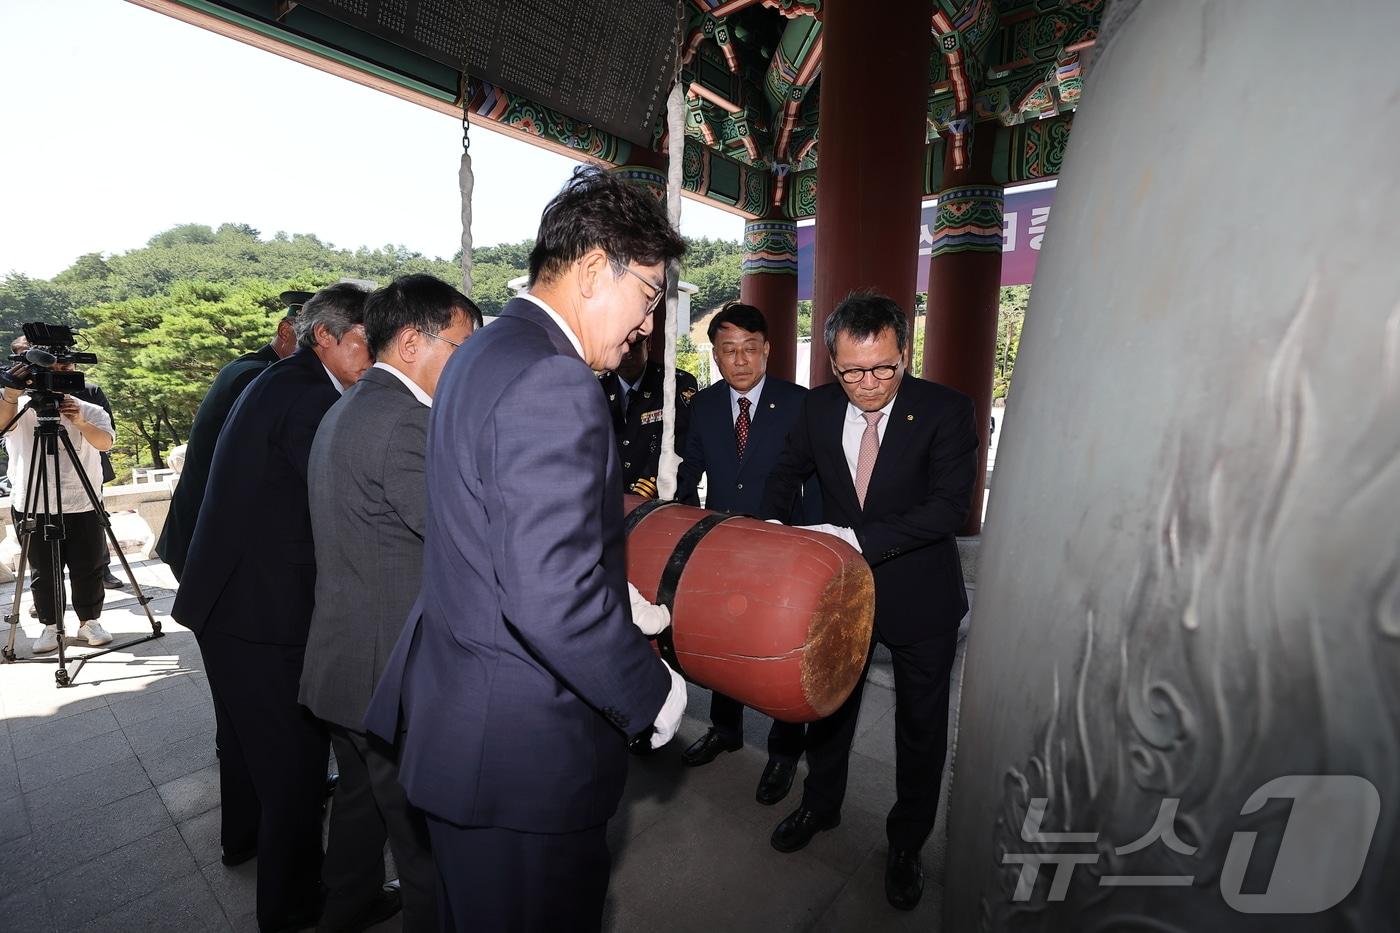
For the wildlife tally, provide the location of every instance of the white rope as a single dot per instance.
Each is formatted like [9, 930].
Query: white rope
[465, 181]
[675, 129]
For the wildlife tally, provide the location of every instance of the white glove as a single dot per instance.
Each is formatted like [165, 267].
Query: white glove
[649, 617]
[669, 719]
[845, 534]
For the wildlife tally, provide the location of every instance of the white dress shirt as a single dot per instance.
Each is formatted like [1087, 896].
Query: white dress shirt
[554, 316]
[334, 381]
[412, 386]
[753, 395]
[854, 428]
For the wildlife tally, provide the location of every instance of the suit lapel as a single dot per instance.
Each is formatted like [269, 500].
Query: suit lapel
[830, 446]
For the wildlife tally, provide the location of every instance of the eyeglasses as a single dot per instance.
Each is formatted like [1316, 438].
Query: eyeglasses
[884, 373]
[454, 343]
[659, 289]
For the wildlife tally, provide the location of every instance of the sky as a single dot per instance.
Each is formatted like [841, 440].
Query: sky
[120, 122]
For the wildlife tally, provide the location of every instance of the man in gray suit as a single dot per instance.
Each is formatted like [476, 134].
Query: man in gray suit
[368, 505]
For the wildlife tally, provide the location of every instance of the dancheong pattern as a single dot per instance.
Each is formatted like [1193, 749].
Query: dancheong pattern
[752, 74]
[969, 220]
[770, 246]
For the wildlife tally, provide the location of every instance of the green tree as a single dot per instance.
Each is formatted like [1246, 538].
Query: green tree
[23, 299]
[165, 317]
[158, 355]
[1011, 317]
[515, 255]
[717, 282]
[692, 360]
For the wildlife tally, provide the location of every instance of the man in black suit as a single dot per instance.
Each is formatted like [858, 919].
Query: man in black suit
[247, 594]
[635, 399]
[737, 430]
[174, 543]
[896, 457]
[368, 512]
[520, 675]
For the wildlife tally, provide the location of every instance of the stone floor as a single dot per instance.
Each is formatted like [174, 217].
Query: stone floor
[109, 810]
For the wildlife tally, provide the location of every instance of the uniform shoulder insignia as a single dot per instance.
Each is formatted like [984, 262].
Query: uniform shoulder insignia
[687, 395]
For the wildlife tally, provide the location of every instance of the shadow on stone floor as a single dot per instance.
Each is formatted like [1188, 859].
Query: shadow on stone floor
[109, 810]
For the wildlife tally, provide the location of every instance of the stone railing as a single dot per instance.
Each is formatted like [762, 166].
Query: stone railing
[138, 513]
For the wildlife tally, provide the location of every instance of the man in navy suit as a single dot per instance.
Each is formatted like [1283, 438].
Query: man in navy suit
[896, 457]
[519, 676]
[174, 544]
[247, 593]
[737, 429]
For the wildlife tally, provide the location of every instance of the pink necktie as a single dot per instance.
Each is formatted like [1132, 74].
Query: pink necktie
[869, 450]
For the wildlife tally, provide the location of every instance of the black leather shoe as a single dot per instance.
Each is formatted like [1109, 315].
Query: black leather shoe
[798, 828]
[111, 582]
[238, 856]
[776, 781]
[904, 878]
[385, 904]
[332, 780]
[708, 747]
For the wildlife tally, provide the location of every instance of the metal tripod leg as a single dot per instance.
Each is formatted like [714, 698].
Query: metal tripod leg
[106, 522]
[8, 653]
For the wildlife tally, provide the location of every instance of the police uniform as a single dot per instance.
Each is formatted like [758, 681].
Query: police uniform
[637, 419]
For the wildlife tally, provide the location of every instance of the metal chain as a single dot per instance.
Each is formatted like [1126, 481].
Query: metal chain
[466, 109]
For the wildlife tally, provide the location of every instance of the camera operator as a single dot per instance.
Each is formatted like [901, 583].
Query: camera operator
[83, 549]
[91, 392]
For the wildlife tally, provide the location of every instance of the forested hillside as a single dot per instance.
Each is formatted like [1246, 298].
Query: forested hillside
[164, 318]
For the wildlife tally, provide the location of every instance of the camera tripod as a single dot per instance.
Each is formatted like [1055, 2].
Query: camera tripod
[49, 525]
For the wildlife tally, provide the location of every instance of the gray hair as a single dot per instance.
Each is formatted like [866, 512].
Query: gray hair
[864, 315]
[337, 308]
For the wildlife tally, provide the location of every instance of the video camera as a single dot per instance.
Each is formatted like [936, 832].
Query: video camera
[50, 345]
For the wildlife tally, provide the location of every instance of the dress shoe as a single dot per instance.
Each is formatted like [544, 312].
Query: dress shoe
[332, 780]
[111, 582]
[386, 903]
[390, 902]
[776, 781]
[708, 747]
[306, 918]
[798, 828]
[238, 856]
[904, 878]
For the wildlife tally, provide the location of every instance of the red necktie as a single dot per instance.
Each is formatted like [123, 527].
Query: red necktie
[741, 427]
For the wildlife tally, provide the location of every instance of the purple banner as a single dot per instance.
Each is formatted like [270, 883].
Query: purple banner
[1023, 226]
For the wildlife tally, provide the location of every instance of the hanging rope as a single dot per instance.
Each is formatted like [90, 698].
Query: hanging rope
[669, 462]
[465, 182]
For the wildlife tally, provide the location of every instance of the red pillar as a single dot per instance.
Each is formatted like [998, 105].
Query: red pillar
[874, 110]
[769, 283]
[964, 292]
[647, 167]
